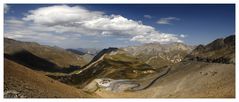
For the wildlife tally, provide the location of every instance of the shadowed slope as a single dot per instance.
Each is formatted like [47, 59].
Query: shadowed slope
[56, 55]
[25, 82]
[31, 61]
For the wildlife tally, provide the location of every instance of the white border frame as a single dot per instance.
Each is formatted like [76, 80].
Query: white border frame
[116, 2]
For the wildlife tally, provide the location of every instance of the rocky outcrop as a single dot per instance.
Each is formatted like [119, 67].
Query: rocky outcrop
[159, 55]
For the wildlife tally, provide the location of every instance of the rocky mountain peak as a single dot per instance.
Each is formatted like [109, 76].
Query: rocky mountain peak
[159, 55]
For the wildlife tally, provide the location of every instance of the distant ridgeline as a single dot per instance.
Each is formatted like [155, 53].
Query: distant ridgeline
[42, 57]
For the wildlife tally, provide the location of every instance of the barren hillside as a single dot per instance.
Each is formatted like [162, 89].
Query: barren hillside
[20, 81]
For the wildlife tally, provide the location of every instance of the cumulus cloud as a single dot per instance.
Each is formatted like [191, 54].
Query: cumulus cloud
[60, 14]
[147, 16]
[63, 22]
[167, 20]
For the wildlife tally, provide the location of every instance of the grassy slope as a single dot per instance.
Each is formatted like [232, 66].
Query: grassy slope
[121, 66]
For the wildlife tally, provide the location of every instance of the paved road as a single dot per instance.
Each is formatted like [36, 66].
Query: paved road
[135, 85]
[142, 87]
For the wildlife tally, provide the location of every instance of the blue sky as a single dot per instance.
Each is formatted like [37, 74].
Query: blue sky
[100, 26]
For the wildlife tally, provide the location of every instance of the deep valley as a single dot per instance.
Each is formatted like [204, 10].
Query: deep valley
[151, 70]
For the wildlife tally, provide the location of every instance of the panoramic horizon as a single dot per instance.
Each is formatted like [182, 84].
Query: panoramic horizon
[147, 52]
[118, 25]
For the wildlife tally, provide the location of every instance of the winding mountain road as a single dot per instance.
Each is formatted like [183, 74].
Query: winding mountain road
[142, 87]
[135, 85]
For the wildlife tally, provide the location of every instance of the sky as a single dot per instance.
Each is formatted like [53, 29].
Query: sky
[118, 25]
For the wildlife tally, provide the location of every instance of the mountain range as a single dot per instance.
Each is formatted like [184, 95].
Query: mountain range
[159, 55]
[148, 70]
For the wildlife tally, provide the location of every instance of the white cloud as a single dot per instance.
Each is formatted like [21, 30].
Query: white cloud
[117, 25]
[155, 37]
[18, 29]
[62, 22]
[13, 22]
[167, 20]
[183, 36]
[147, 16]
[6, 8]
[61, 14]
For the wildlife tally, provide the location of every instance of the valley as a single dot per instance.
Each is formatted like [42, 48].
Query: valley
[152, 70]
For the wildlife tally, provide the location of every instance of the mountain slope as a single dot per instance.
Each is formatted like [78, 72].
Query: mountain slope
[41, 57]
[219, 51]
[188, 80]
[194, 78]
[159, 55]
[20, 81]
[109, 63]
[119, 64]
